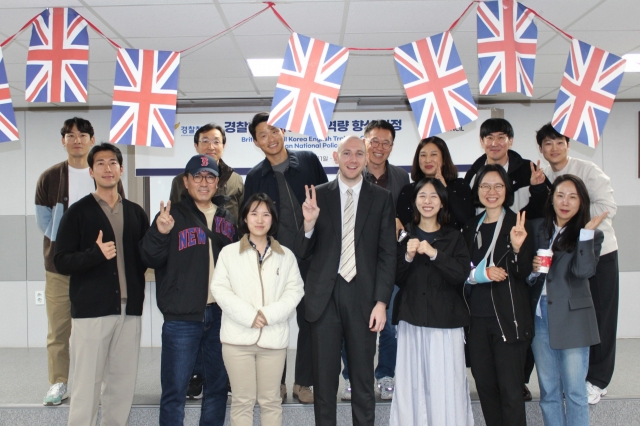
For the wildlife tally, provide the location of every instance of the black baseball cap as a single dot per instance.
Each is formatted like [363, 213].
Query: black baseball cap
[202, 163]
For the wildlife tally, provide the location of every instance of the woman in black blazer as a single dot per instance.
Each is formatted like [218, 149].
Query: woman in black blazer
[430, 311]
[432, 159]
[501, 249]
[565, 319]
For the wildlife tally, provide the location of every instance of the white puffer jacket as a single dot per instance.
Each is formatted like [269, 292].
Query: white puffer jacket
[242, 287]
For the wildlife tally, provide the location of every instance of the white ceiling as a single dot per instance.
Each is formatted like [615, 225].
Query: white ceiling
[217, 70]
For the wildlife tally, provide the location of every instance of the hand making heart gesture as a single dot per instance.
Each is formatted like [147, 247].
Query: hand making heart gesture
[518, 233]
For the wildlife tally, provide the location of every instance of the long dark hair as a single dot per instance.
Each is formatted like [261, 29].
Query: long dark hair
[567, 240]
[448, 169]
[443, 214]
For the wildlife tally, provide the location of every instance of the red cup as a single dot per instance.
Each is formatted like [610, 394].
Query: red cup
[546, 257]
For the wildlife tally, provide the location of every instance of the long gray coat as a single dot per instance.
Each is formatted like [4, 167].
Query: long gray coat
[572, 317]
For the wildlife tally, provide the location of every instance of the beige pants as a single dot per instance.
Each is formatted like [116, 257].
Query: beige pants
[255, 374]
[56, 292]
[105, 357]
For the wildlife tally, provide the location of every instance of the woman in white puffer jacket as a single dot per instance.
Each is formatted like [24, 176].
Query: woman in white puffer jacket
[257, 284]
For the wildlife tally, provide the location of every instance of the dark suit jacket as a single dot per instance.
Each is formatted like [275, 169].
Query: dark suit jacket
[571, 314]
[375, 247]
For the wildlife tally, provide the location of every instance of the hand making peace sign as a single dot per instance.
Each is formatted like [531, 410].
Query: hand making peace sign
[165, 221]
[518, 233]
[310, 209]
[537, 175]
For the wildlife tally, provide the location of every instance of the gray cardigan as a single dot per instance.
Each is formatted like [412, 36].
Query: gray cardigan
[572, 317]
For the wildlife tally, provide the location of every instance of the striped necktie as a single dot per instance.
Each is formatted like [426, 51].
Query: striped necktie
[348, 255]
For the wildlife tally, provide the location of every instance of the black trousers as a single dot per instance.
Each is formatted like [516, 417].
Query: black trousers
[304, 365]
[498, 369]
[605, 291]
[343, 318]
[528, 365]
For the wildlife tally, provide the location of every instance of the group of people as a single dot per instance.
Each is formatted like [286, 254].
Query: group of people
[517, 261]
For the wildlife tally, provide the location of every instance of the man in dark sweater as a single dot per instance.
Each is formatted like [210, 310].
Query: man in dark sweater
[97, 245]
[182, 246]
[282, 175]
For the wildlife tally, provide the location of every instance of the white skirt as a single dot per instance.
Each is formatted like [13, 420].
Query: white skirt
[431, 386]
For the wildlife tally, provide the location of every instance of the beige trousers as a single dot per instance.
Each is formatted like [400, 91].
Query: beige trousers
[105, 358]
[56, 293]
[255, 374]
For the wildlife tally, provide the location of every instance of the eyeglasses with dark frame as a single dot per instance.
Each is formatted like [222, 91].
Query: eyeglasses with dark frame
[375, 142]
[197, 178]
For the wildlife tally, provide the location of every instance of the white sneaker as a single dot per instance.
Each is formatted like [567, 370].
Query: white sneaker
[57, 393]
[594, 393]
[346, 392]
[386, 386]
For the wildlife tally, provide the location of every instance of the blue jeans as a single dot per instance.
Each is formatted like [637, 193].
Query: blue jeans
[560, 371]
[387, 347]
[181, 342]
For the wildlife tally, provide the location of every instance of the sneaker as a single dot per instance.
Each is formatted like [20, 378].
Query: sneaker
[283, 391]
[386, 388]
[304, 394]
[57, 393]
[594, 393]
[194, 391]
[346, 392]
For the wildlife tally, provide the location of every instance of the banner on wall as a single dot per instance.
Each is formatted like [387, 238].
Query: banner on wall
[8, 127]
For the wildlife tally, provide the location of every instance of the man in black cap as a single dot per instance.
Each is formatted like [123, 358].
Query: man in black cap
[182, 246]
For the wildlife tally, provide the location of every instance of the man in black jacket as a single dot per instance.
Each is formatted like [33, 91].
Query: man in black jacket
[182, 246]
[97, 245]
[282, 175]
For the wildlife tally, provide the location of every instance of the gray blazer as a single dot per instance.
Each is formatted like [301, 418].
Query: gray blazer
[398, 178]
[572, 317]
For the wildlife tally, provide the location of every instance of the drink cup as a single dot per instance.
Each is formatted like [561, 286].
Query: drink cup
[545, 256]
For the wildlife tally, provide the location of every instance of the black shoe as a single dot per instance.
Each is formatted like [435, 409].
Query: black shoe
[526, 394]
[195, 387]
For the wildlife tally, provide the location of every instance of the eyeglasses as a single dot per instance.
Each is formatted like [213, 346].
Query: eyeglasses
[214, 142]
[197, 178]
[376, 143]
[498, 187]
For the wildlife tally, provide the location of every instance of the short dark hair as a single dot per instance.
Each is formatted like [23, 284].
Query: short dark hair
[381, 124]
[257, 119]
[83, 126]
[547, 131]
[443, 214]
[259, 198]
[494, 125]
[568, 239]
[508, 188]
[207, 128]
[449, 170]
[104, 146]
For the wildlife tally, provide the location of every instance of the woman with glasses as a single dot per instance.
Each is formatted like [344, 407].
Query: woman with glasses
[565, 318]
[501, 249]
[258, 285]
[432, 159]
[430, 311]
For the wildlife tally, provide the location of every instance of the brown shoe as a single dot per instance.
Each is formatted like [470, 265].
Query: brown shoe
[304, 394]
[283, 391]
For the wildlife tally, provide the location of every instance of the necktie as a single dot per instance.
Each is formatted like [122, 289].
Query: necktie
[348, 255]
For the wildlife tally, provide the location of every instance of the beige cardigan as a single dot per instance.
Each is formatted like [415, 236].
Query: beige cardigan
[241, 287]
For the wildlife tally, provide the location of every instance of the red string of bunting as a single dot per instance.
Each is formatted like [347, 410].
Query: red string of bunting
[271, 5]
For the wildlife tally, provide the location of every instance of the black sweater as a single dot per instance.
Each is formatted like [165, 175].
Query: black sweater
[181, 259]
[431, 292]
[94, 287]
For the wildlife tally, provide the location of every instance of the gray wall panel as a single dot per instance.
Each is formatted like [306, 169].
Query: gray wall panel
[35, 260]
[13, 256]
[627, 226]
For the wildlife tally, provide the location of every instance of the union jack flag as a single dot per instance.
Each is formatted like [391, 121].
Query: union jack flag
[144, 97]
[589, 87]
[436, 84]
[58, 57]
[507, 37]
[8, 127]
[308, 86]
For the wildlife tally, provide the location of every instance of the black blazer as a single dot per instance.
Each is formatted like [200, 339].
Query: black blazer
[375, 247]
[94, 287]
[511, 296]
[431, 292]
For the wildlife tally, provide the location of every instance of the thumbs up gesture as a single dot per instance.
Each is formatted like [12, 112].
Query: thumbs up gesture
[108, 248]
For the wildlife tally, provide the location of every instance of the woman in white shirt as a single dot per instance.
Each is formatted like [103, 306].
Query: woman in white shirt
[257, 284]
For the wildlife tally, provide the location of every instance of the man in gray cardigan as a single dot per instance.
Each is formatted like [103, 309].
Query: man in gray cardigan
[379, 136]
